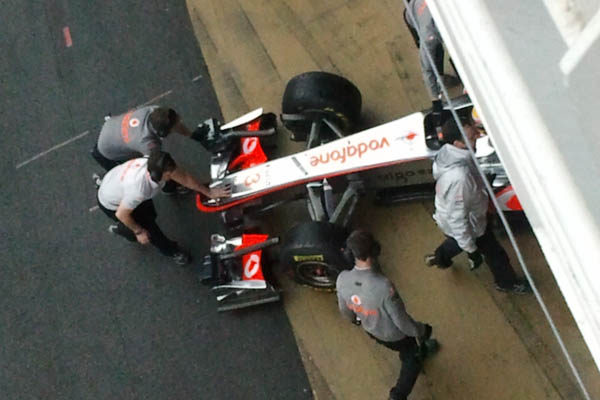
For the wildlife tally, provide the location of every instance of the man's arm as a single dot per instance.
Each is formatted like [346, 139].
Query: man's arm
[124, 215]
[183, 178]
[394, 306]
[180, 128]
[458, 215]
[344, 310]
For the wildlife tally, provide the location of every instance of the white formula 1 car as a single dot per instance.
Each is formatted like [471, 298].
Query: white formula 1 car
[321, 108]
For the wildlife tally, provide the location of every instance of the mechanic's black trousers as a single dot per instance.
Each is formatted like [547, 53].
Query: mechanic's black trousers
[145, 215]
[495, 257]
[104, 162]
[412, 364]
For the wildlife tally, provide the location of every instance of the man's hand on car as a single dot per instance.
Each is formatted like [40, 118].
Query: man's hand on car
[220, 192]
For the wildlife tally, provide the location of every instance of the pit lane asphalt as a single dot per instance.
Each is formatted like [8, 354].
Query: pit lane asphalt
[86, 315]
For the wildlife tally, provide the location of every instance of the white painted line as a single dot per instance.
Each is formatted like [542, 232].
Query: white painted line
[92, 209]
[197, 78]
[52, 149]
[168, 92]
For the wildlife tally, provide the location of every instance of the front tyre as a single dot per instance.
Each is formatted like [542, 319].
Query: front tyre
[312, 251]
[320, 93]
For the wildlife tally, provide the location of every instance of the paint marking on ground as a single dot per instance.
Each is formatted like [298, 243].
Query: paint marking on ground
[67, 35]
[160, 96]
[197, 78]
[92, 209]
[58, 146]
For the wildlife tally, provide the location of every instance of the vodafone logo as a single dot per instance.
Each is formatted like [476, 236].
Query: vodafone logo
[251, 266]
[249, 144]
[356, 300]
[352, 150]
[134, 122]
[408, 139]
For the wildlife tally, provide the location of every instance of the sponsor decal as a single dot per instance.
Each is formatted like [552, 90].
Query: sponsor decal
[356, 300]
[125, 127]
[134, 122]
[403, 177]
[249, 144]
[252, 265]
[361, 310]
[251, 262]
[408, 138]
[314, 257]
[349, 151]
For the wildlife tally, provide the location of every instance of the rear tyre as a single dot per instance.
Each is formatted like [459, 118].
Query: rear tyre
[317, 93]
[312, 251]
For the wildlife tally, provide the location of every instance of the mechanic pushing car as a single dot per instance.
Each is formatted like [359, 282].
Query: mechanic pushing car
[461, 206]
[367, 297]
[126, 192]
[137, 133]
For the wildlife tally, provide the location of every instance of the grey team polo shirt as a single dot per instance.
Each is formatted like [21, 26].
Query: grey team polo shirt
[128, 135]
[372, 297]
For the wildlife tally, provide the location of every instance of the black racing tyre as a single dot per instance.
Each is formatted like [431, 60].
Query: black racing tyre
[312, 250]
[318, 92]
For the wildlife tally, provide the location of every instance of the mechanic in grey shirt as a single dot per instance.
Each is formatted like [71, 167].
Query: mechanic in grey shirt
[366, 295]
[135, 134]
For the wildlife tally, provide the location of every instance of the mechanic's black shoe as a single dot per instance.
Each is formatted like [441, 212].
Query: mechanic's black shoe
[430, 347]
[522, 287]
[181, 258]
[426, 349]
[97, 180]
[430, 260]
[114, 229]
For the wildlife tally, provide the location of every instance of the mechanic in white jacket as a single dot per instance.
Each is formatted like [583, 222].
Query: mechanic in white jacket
[461, 204]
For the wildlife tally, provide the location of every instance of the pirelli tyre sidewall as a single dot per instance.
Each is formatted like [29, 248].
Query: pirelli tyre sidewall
[319, 92]
[312, 251]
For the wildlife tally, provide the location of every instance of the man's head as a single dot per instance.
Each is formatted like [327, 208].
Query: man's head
[162, 120]
[451, 133]
[160, 166]
[363, 245]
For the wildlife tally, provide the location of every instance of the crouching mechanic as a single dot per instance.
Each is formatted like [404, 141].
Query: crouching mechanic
[126, 193]
[366, 295]
[461, 205]
[136, 134]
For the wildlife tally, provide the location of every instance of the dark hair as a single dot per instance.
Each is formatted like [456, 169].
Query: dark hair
[162, 120]
[363, 245]
[451, 132]
[160, 162]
